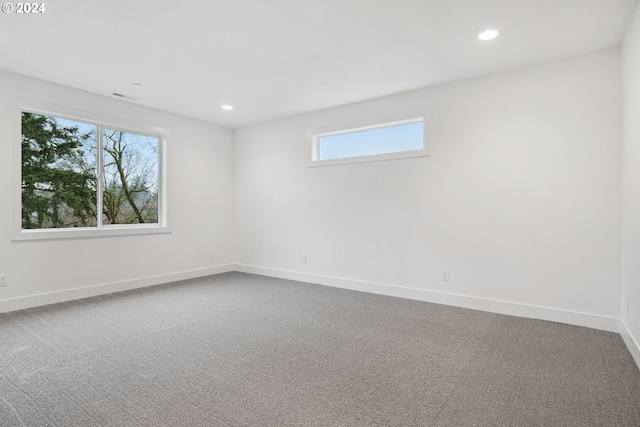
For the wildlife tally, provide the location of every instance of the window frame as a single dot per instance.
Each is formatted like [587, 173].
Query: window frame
[364, 125]
[100, 230]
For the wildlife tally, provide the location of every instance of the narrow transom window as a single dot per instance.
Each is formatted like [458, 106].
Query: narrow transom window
[380, 141]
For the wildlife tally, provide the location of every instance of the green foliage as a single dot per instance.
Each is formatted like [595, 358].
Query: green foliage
[56, 191]
[60, 180]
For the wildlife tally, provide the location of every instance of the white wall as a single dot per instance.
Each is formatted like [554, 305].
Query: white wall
[631, 187]
[520, 199]
[200, 211]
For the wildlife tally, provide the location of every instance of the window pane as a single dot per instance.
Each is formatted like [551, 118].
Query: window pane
[130, 183]
[58, 173]
[381, 140]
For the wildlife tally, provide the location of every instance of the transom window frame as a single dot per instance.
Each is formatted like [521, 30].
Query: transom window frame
[314, 136]
[91, 118]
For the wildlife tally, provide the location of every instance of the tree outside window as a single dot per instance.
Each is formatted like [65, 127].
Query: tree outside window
[65, 183]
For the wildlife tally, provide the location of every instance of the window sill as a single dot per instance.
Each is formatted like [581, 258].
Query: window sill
[85, 233]
[372, 158]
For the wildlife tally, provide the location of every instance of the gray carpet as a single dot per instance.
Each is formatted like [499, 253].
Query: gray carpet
[244, 350]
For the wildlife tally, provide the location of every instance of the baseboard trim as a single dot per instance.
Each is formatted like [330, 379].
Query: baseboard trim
[611, 324]
[29, 301]
[632, 343]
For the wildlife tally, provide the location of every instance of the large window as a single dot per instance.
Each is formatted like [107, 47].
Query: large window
[87, 175]
[369, 142]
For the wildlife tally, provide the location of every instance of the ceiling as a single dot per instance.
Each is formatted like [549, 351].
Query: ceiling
[277, 58]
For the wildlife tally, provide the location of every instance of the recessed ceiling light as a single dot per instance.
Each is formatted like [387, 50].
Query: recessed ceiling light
[488, 35]
[226, 107]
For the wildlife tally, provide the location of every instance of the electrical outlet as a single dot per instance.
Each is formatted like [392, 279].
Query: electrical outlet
[304, 259]
[4, 280]
[213, 254]
[445, 275]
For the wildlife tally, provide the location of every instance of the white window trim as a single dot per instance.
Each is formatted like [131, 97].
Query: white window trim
[388, 121]
[18, 234]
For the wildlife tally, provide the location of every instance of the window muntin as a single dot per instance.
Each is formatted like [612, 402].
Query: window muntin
[369, 142]
[65, 182]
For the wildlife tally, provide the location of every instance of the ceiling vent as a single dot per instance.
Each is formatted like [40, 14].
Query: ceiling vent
[120, 95]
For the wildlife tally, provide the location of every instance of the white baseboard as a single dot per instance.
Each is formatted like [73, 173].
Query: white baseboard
[611, 324]
[632, 343]
[30, 301]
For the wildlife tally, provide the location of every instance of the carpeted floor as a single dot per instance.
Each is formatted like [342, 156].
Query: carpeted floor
[244, 350]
